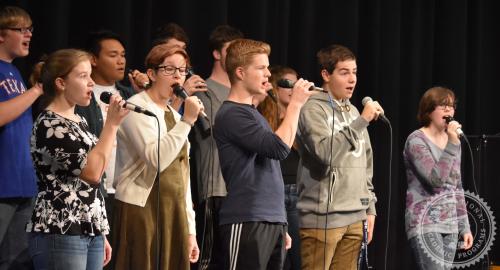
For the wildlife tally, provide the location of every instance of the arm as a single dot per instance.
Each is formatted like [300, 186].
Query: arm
[315, 129]
[288, 128]
[370, 219]
[245, 131]
[107, 251]
[194, 251]
[462, 216]
[142, 135]
[369, 177]
[189, 210]
[11, 109]
[98, 157]
[421, 162]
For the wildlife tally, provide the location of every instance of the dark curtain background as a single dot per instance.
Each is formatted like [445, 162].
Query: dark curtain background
[403, 47]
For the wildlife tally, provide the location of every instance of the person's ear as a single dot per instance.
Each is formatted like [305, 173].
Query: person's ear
[325, 75]
[60, 84]
[151, 74]
[93, 61]
[240, 73]
[217, 55]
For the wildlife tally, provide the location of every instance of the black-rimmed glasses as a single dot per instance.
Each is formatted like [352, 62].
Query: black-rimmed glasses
[22, 30]
[170, 70]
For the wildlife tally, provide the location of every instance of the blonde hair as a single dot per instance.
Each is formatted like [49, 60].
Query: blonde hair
[11, 16]
[240, 53]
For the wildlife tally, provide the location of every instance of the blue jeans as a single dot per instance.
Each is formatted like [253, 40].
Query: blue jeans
[444, 250]
[75, 252]
[293, 255]
[14, 214]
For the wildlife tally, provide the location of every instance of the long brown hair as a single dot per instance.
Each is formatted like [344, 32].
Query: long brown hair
[268, 108]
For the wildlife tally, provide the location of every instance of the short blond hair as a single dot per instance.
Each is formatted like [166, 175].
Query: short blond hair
[240, 53]
[11, 16]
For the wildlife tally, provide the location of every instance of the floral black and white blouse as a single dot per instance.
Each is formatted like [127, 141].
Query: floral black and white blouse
[65, 203]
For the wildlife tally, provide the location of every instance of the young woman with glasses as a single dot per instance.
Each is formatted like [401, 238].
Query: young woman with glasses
[142, 196]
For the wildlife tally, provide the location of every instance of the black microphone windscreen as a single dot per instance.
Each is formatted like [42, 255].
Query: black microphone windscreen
[285, 83]
[179, 91]
[105, 97]
[448, 119]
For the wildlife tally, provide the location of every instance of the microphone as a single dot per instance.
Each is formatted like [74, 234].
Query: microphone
[105, 96]
[448, 119]
[203, 120]
[285, 83]
[366, 100]
[181, 92]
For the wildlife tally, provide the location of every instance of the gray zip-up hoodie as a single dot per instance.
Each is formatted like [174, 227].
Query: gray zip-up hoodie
[349, 152]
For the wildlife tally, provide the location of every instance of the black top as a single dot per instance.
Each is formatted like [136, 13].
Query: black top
[289, 167]
[249, 152]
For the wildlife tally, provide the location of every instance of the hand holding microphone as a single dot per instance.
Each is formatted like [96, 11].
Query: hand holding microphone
[180, 92]
[454, 129]
[301, 92]
[116, 111]
[372, 110]
[193, 108]
[285, 83]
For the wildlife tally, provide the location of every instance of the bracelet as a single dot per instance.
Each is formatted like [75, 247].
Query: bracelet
[185, 121]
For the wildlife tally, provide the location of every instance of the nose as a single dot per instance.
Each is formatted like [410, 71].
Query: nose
[91, 82]
[177, 73]
[353, 77]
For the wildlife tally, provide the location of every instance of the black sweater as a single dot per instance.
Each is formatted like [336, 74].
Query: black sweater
[249, 154]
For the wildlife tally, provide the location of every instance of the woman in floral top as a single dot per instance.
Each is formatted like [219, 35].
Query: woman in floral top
[69, 223]
[435, 205]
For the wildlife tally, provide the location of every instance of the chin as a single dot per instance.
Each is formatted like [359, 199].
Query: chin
[84, 103]
[23, 53]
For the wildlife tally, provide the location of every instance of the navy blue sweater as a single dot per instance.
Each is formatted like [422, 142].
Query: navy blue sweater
[249, 154]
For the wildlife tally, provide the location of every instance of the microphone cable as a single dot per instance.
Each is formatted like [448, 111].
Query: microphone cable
[330, 180]
[157, 242]
[389, 197]
[204, 261]
[487, 259]
[476, 191]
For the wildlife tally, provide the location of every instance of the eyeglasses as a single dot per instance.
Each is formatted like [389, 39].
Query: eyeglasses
[170, 70]
[22, 30]
[444, 107]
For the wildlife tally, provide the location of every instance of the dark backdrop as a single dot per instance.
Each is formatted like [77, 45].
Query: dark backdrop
[403, 48]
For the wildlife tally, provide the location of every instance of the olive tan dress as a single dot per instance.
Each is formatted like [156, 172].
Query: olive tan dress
[135, 226]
